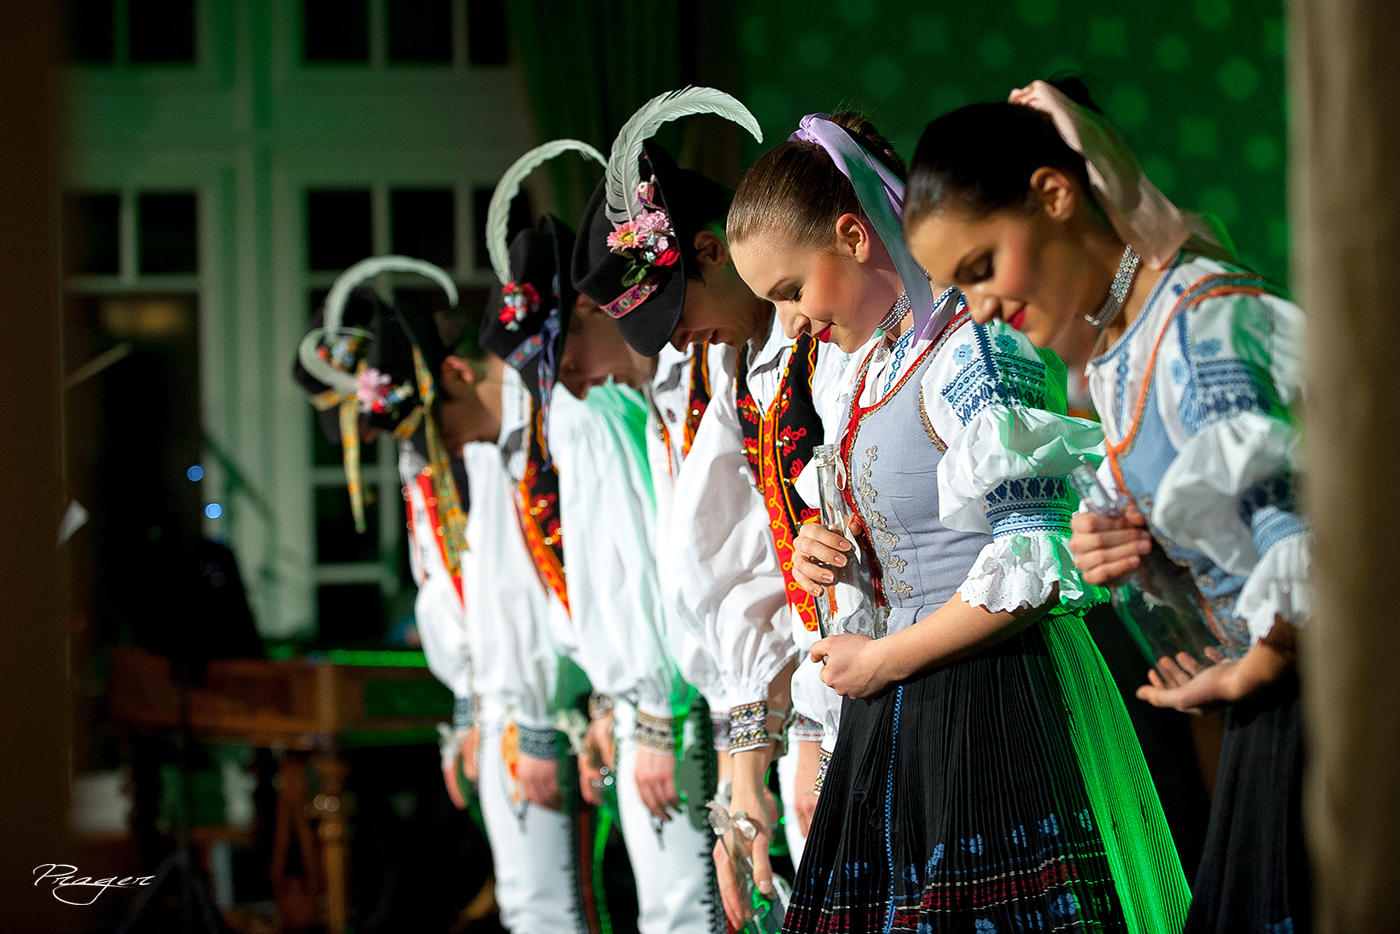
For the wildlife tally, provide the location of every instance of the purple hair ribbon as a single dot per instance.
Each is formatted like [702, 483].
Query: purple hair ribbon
[881, 197]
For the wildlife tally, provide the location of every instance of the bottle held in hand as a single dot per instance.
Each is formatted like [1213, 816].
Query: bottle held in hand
[1158, 601]
[847, 604]
[765, 912]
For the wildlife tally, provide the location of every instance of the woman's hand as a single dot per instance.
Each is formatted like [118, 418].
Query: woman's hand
[852, 665]
[540, 779]
[1191, 687]
[656, 783]
[1185, 684]
[1105, 548]
[816, 548]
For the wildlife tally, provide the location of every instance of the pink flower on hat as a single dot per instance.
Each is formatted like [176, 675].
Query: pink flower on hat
[647, 240]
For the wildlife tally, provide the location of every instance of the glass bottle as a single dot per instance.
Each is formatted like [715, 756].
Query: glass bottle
[1158, 601]
[764, 912]
[848, 603]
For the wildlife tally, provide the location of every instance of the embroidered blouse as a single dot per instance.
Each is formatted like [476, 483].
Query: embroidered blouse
[995, 406]
[681, 387]
[437, 608]
[511, 618]
[721, 574]
[1198, 403]
[609, 517]
[770, 366]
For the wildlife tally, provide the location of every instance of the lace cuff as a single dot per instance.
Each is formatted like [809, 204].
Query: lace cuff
[537, 742]
[1278, 586]
[1021, 570]
[655, 734]
[748, 727]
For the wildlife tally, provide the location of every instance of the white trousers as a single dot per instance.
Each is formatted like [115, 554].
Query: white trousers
[787, 784]
[676, 888]
[532, 848]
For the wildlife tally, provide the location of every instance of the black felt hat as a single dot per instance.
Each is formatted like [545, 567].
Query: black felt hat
[382, 336]
[387, 348]
[692, 201]
[527, 319]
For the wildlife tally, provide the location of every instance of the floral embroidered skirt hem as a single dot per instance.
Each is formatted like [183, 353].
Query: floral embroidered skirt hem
[954, 802]
[1254, 870]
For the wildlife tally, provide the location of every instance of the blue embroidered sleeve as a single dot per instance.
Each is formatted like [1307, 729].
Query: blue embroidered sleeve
[993, 369]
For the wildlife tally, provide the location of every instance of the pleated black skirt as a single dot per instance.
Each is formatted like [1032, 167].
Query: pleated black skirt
[954, 803]
[1253, 875]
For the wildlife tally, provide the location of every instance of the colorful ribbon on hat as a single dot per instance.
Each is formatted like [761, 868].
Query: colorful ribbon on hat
[881, 197]
[1139, 213]
[450, 514]
[453, 519]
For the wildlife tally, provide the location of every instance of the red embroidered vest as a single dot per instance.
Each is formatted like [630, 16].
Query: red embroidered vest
[778, 444]
[539, 513]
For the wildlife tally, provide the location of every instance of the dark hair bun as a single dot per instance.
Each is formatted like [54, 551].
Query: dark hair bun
[864, 132]
[1074, 87]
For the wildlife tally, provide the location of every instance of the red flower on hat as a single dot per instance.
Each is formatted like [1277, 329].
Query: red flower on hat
[520, 299]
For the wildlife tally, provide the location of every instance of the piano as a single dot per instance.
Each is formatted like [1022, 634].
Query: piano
[309, 708]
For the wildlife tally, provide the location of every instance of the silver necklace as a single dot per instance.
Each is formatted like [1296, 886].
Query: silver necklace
[897, 313]
[1118, 291]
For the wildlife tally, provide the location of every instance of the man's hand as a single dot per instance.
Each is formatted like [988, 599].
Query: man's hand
[471, 742]
[809, 753]
[454, 788]
[656, 783]
[540, 779]
[597, 761]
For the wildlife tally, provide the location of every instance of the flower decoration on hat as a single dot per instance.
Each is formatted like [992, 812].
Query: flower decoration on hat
[647, 239]
[337, 356]
[377, 392]
[520, 299]
[643, 230]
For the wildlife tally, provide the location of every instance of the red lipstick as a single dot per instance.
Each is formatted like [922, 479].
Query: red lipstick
[825, 335]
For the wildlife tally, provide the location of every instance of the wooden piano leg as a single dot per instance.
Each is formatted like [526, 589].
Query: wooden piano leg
[296, 896]
[330, 812]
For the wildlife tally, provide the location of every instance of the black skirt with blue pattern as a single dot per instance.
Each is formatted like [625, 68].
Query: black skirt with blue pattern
[954, 802]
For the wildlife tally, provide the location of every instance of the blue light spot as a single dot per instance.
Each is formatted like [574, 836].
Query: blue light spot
[213, 510]
[195, 473]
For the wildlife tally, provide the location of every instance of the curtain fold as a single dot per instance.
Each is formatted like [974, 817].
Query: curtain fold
[590, 65]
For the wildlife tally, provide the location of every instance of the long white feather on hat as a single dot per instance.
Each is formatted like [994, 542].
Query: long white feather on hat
[334, 309]
[623, 172]
[498, 213]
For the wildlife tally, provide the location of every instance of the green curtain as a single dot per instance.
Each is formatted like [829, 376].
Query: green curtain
[590, 65]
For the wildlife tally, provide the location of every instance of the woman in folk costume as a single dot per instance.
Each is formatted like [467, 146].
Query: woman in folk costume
[493, 642]
[588, 494]
[985, 776]
[1197, 383]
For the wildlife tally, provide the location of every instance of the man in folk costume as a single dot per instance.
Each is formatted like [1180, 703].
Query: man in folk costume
[733, 512]
[590, 516]
[481, 613]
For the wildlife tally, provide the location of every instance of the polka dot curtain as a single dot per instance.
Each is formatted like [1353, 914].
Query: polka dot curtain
[1196, 86]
